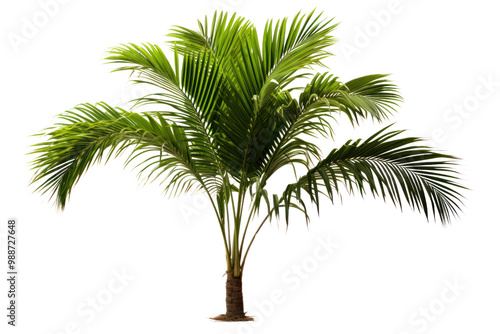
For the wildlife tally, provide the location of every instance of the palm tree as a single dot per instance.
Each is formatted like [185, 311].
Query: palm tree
[226, 118]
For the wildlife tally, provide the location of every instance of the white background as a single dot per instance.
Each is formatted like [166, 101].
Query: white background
[389, 266]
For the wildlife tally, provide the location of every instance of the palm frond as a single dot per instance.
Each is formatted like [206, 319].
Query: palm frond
[371, 96]
[221, 37]
[368, 96]
[286, 50]
[191, 92]
[397, 168]
[88, 133]
[263, 74]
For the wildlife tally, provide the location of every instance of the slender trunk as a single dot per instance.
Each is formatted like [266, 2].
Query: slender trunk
[234, 296]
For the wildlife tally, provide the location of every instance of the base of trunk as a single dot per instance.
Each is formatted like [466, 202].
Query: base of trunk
[225, 317]
[234, 301]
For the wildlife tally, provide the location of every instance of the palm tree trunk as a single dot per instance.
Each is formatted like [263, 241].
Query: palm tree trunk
[234, 297]
[234, 300]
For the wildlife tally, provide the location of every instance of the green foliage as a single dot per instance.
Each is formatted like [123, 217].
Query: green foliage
[225, 120]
